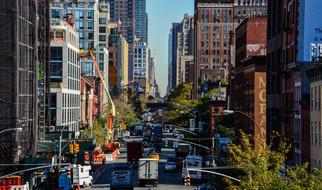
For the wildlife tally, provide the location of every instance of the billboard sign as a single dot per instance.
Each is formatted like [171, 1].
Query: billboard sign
[309, 31]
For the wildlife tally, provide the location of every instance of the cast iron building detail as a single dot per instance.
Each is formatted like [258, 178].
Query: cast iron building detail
[18, 55]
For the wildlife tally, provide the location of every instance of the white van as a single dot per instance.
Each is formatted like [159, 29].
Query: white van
[192, 162]
[81, 176]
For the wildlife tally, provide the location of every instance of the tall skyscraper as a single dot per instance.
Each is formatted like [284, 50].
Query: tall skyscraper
[18, 88]
[141, 21]
[180, 47]
[141, 64]
[123, 13]
[175, 30]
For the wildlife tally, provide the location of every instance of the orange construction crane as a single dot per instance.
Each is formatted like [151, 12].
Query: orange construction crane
[111, 106]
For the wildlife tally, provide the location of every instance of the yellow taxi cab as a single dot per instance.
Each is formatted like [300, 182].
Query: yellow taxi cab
[154, 155]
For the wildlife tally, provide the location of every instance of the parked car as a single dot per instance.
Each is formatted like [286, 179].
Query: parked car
[154, 155]
[178, 161]
[170, 166]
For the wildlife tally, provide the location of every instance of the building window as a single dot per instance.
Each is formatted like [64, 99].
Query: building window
[56, 53]
[81, 35]
[102, 38]
[90, 25]
[319, 98]
[102, 20]
[55, 13]
[102, 29]
[91, 35]
[312, 99]
[316, 134]
[90, 14]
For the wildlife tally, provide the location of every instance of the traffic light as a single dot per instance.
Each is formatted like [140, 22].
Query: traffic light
[76, 148]
[186, 180]
[71, 148]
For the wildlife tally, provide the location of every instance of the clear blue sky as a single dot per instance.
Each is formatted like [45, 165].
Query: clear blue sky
[162, 13]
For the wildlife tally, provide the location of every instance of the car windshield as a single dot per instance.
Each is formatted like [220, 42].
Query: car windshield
[171, 163]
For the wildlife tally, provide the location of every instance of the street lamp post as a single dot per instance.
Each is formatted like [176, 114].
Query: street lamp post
[60, 149]
[19, 129]
[227, 112]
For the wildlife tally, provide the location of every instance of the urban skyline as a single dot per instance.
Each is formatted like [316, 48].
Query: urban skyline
[126, 94]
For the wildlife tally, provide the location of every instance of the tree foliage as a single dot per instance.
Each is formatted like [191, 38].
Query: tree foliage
[180, 104]
[97, 130]
[263, 169]
[125, 113]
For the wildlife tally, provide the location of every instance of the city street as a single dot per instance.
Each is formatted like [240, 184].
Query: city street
[167, 180]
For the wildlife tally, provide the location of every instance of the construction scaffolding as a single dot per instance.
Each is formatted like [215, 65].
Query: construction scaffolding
[43, 68]
[18, 88]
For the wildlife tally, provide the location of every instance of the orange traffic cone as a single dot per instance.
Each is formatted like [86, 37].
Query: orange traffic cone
[78, 187]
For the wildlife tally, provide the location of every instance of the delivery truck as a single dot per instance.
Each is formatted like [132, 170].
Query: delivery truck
[148, 172]
[121, 179]
[134, 152]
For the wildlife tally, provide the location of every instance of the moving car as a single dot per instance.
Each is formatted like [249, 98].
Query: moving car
[154, 155]
[204, 187]
[170, 166]
[126, 134]
[177, 161]
[192, 162]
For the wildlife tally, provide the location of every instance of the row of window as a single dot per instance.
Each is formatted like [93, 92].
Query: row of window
[215, 52]
[80, 14]
[252, 2]
[316, 163]
[81, 24]
[70, 116]
[251, 12]
[316, 98]
[316, 133]
[139, 65]
[76, 5]
[84, 45]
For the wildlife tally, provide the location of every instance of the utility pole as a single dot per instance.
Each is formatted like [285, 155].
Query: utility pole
[59, 152]
[213, 151]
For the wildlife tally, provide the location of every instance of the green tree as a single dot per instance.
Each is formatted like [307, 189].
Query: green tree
[263, 168]
[180, 104]
[97, 131]
[125, 112]
[204, 102]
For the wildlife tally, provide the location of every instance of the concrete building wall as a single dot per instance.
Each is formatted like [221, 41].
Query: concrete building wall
[86, 19]
[65, 76]
[104, 17]
[314, 73]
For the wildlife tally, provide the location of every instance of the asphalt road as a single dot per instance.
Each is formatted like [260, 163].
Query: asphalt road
[167, 180]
